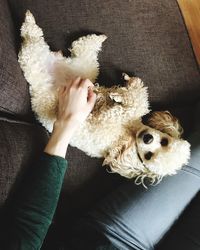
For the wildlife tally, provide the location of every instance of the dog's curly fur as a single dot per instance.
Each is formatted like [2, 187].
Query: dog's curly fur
[114, 129]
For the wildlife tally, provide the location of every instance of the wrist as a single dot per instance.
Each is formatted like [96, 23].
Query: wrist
[64, 130]
[56, 147]
[60, 137]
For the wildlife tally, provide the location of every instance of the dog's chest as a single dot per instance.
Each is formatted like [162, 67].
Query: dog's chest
[96, 138]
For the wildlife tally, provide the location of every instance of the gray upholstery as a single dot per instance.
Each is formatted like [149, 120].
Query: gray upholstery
[14, 96]
[20, 144]
[145, 38]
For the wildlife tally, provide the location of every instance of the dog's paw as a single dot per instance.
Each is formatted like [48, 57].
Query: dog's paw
[126, 76]
[116, 97]
[30, 30]
[132, 81]
[29, 18]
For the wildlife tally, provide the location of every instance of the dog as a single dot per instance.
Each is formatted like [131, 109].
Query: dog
[114, 129]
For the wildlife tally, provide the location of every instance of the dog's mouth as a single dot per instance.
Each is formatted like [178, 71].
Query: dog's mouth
[139, 157]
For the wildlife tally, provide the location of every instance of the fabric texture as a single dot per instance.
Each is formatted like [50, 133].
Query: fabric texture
[20, 144]
[185, 234]
[30, 210]
[145, 38]
[14, 95]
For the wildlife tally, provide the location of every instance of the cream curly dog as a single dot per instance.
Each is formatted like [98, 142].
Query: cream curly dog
[114, 129]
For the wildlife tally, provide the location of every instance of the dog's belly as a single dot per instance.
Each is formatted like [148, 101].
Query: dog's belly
[67, 69]
[96, 140]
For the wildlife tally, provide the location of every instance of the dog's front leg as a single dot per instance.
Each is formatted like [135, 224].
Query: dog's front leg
[133, 97]
[126, 95]
[118, 95]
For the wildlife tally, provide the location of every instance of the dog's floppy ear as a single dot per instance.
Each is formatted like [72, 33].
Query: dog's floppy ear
[118, 158]
[166, 123]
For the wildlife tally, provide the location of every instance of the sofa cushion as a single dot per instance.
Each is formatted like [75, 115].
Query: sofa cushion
[86, 181]
[20, 144]
[14, 95]
[145, 37]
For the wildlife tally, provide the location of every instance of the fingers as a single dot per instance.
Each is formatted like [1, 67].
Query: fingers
[76, 81]
[64, 88]
[61, 90]
[91, 97]
[86, 83]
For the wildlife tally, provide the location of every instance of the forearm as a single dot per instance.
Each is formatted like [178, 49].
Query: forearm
[33, 206]
[32, 209]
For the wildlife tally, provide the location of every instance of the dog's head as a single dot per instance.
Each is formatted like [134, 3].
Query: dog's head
[156, 151]
[159, 145]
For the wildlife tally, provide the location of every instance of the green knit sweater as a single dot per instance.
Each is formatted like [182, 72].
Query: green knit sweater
[31, 209]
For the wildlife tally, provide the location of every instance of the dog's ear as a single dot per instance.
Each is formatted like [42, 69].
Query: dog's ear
[117, 158]
[166, 123]
[115, 153]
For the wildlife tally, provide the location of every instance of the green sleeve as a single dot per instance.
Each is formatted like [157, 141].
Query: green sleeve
[33, 205]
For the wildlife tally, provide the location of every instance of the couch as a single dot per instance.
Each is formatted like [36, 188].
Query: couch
[145, 38]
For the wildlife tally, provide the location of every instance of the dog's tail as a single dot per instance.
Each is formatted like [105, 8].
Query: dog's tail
[29, 29]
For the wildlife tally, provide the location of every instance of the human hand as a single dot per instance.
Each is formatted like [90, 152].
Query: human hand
[76, 101]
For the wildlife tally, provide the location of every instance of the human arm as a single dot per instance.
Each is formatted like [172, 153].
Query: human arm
[31, 209]
[78, 99]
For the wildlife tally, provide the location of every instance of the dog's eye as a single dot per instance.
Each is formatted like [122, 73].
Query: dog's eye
[148, 155]
[164, 142]
[147, 138]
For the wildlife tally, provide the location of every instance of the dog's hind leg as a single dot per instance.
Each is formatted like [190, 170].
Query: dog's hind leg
[88, 45]
[35, 57]
[36, 61]
[83, 61]
[84, 55]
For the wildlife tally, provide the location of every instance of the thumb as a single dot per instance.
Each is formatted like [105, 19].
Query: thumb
[91, 98]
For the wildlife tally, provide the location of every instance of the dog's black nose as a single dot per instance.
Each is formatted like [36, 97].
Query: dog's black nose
[147, 138]
[148, 156]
